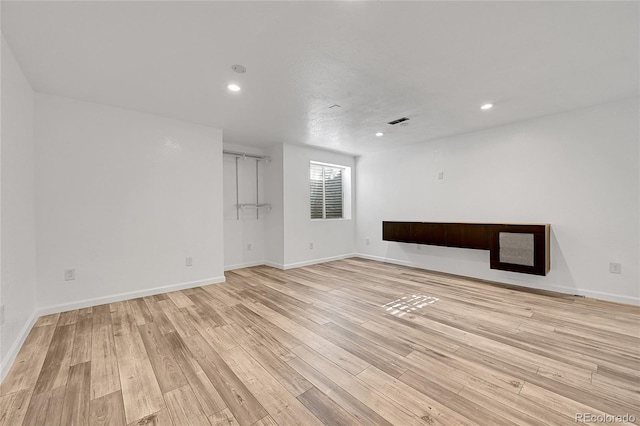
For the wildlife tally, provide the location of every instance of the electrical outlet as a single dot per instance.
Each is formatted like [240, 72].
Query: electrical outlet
[310, 246]
[615, 268]
[249, 247]
[367, 241]
[1, 314]
[189, 261]
[418, 247]
[69, 274]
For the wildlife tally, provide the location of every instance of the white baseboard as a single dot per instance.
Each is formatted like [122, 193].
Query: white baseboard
[17, 345]
[244, 265]
[316, 261]
[46, 310]
[274, 265]
[628, 300]
[387, 260]
[308, 262]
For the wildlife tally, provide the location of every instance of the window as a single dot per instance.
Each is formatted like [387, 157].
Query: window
[326, 188]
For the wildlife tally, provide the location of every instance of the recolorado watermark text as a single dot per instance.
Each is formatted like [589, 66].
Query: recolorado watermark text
[604, 418]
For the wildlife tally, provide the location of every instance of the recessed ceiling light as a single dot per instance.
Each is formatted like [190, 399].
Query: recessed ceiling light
[379, 134]
[486, 106]
[233, 87]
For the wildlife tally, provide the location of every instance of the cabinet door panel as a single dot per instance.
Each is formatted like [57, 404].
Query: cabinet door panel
[396, 231]
[429, 233]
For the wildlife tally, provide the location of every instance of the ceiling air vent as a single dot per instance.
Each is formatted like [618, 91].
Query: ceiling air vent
[398, 121]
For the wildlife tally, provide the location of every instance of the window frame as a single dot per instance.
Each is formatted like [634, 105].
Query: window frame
[342, 191]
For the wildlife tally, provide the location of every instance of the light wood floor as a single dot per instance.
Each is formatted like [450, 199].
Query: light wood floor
[346, 342]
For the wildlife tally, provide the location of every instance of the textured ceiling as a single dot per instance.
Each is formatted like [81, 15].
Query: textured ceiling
[434, 62]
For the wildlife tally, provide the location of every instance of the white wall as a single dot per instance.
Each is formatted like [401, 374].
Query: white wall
[577, 171]
[243, 229]
[274, 221]
[333, 238]
[123, 197]
[17, 230]
[287, 229]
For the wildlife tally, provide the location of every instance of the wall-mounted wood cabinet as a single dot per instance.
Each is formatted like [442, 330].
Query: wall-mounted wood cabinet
[513, 247]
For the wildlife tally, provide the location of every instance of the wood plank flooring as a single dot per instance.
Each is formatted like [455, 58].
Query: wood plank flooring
[350, 342]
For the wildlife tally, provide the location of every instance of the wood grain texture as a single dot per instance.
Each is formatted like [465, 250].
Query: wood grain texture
[75, 408]
[55, 369]
[224, 418]
[340, 396]
[281, 405]
[104, 367]
[352, 342]
[42, 408]
[161, 418]
[238, 398]
[28, 363]
[165, 367]
[184, 407]
[107, 410]
[140, 390]
[325, 409]
[82, 340]
[15, 409]
[265, 421]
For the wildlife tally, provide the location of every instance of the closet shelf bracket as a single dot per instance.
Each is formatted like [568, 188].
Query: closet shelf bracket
[245, 206]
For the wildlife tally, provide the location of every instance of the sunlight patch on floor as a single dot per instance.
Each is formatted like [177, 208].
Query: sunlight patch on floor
[407, 304]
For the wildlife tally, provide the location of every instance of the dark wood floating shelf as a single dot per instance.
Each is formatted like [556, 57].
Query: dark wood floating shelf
[513, 247]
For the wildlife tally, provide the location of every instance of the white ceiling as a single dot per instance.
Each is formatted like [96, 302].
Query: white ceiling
[435, 62]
